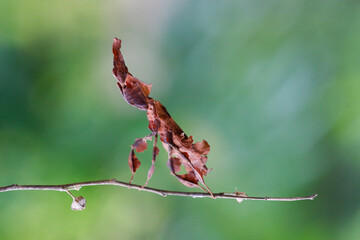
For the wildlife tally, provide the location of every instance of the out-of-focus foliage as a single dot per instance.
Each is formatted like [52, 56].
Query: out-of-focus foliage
[272, 85]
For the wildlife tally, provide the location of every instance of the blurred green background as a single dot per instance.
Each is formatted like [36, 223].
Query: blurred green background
[273, 86]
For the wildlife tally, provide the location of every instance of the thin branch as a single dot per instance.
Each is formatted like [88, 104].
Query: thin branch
[164, 193]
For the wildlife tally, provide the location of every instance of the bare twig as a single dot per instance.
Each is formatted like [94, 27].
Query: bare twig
[164, 193]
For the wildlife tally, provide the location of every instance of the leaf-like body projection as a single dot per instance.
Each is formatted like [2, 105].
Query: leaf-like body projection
[181, 149]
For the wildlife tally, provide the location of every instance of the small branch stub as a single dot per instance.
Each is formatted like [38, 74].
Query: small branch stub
[78, 204]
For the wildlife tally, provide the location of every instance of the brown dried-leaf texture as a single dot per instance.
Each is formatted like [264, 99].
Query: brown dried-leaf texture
[134, 163]
[181, 148]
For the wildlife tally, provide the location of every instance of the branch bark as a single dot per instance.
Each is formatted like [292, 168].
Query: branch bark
[164, 193]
